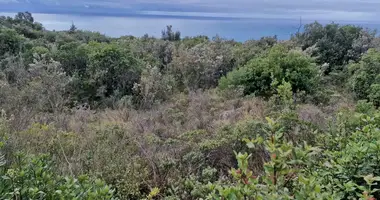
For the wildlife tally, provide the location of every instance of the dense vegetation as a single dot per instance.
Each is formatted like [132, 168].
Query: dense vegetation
[86, 116]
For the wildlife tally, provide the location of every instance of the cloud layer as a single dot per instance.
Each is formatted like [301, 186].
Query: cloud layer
[332, 10]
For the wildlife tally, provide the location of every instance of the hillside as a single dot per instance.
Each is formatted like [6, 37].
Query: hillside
[86, 116]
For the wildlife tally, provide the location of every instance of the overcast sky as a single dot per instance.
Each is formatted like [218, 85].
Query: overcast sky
[348, 10]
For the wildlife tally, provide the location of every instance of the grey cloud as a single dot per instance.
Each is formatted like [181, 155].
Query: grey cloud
[247, 5]
[241, 5]
[8, 1]
[337, 9]
[348, 10]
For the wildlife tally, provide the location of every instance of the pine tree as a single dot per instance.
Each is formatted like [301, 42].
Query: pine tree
[73, 28]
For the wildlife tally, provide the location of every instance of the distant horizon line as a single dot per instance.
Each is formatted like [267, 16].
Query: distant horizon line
[287, 24]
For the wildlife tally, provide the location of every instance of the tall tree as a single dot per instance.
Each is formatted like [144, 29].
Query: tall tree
[73, 28]
[170, 35]
[24, 16]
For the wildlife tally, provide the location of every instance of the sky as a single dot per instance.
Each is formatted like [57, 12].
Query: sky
[122, 17]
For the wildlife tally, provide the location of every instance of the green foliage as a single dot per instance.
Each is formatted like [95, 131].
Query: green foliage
[279, 64]
[201, 66]
[365, 107]
[153, 87]
[168, 34]
[73, 57]
[374, 94]
[49, 84]
[10, 42]
[25, 17]
[155, 191]
[190, 42]
[34, 178]
[335, 44]
[4, 131]
[351, 160]
[111, 73]
[42, 87]
[365, 75]
[252, 49]
[282, 177]
[73, 28]
[343, 170]
[159, 129]
[283, 99]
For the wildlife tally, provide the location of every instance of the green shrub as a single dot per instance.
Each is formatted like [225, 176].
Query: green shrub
[154, 87]
[279, 64]
[342, 165]
[335, 44]
[283, 98]
[374, 94]
[283, 171]
[34, 178]
[201, 66]
[252, 48]
[363, 106]
[10, 42]
[364, 74]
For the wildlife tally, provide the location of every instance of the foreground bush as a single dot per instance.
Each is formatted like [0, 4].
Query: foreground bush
[34, 178]
[343, 165]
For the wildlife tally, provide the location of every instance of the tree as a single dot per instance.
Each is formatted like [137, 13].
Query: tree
[334, 44]
[164, 52]
[73, 28]
[360, 45]
[24, 16]
[168, 34]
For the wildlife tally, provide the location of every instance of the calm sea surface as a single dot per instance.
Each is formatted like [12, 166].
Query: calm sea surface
[238, 29]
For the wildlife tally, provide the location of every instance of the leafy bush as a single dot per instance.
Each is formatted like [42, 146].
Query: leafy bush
[201, 66]
[74, 58]
[283, 98]
[343, 165]
[34, 178]
[252, 49]
[335, 44]
[154, 87]
[364, 75]
[374, 94]
[279, 64]
[10, 42]
[111, 72]
[363, 106]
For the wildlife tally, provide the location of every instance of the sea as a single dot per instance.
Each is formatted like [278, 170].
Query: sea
[236, 29]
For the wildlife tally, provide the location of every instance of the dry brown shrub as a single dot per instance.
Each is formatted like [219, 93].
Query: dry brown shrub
[312, 114]
[136, 149]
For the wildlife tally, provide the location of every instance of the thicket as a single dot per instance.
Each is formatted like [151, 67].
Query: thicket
[86, 116]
